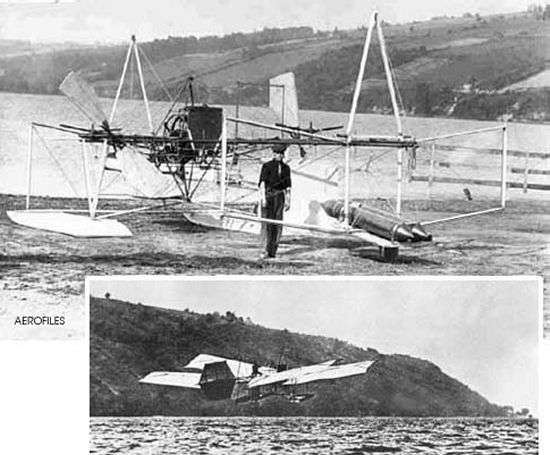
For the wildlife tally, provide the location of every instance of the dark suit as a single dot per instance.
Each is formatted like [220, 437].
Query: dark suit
[276, 177]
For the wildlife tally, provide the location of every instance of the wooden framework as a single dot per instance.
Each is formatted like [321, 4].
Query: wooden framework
[224, 146]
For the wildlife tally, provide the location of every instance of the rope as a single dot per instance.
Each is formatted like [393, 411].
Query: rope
[132, 79]
[396, 85]
[113, 180]
[159, 80]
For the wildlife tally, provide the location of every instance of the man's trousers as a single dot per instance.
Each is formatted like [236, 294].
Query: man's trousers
[274, 209]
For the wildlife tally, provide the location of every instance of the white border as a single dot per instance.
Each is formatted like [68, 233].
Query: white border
[543, 346]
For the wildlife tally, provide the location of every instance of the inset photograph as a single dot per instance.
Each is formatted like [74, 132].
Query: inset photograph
[312, 366]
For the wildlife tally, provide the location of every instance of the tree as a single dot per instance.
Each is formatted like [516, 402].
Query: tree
[536, 10]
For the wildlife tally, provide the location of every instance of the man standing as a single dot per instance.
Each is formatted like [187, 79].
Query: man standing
[274, 189]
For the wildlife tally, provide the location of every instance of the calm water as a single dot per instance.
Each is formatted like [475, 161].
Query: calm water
[254, 435]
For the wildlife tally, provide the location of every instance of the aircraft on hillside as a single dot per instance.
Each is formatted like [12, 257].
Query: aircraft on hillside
[192, 148]
[220, 378]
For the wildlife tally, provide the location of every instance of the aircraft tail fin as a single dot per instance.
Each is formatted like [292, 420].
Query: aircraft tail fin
[283, 99]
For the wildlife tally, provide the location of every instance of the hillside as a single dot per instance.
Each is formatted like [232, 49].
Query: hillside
[457, 67]
[128, 341]
[15, 48]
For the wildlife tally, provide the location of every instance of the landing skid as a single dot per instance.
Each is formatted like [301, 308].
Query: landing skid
[388, 253]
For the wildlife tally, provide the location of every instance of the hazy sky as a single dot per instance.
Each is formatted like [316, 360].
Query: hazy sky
[116, 20]
[483, 333]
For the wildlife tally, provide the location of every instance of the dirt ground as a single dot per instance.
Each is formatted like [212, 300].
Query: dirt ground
[51, 265]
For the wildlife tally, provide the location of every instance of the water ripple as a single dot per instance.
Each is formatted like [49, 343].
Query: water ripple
[306, 435]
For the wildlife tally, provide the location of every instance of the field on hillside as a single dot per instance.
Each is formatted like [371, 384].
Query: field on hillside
[433, 60]
[541, 79]
[508, 42]
[225, 69]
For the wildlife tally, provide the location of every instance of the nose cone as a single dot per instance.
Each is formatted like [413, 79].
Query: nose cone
[403, 233]
[420, 234]
[333, 208]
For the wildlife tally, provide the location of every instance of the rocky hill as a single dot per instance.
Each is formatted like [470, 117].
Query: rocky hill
[127, 341]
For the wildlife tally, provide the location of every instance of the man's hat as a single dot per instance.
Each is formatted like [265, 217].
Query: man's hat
[279, 148]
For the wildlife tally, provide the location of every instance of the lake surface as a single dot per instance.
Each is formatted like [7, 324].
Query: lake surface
[306, 435]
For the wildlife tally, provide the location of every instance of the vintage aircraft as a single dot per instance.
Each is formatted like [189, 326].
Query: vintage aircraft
[220, 378]
[191, 146]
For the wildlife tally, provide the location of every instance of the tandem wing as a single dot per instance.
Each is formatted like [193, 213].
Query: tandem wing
[174, 379]
[194, 370]
[321, 372]
[333, 372]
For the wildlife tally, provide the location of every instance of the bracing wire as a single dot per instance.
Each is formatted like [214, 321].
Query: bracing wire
[157, 77]
[57, 163]
[396, 85]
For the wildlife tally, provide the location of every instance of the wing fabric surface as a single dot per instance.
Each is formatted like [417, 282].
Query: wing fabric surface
[175, 379]
[332, 372]
[321, 372]
[286, 375]
[83, 96]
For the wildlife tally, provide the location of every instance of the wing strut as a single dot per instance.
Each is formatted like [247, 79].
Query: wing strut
[374, 22]
[132, 48]
[223, 178]
[352, 113]
[29, 168]
[83, 96]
